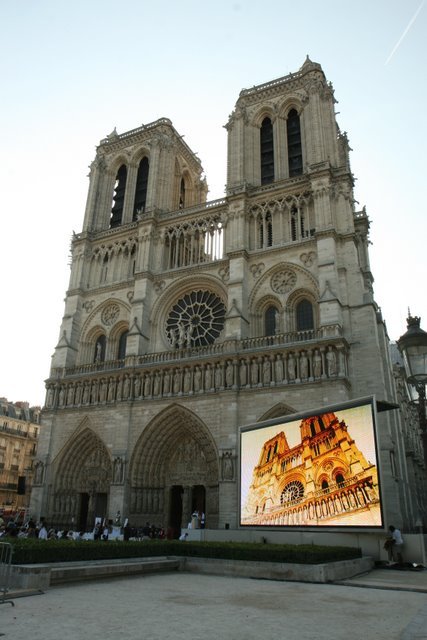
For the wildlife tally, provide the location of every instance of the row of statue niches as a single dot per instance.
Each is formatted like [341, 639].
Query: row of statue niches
[230, 374]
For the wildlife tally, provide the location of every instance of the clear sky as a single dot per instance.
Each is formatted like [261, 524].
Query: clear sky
[72, 71]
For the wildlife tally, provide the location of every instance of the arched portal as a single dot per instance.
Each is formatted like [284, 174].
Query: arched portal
[174, 471]
[83, 476]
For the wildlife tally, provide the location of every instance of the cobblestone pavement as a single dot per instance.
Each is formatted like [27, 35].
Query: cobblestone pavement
[192, 606]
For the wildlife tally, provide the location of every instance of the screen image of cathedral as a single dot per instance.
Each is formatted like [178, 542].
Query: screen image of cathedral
[318, 471]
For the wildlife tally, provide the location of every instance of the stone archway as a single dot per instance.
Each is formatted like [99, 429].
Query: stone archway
[174, 471]
[82, 483]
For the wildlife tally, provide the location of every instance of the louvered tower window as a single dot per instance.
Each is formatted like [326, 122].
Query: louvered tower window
[119, 197]
[141, 188]
[267, 152]
[294, 144]
[182, 194]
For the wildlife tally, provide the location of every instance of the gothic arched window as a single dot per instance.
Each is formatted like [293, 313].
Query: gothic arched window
[121, 352]
[99, 355]
[293, 130]
[271, 321]
[118, 197]
[304, 315]
[141, 187]
[182, 194]
[267, 151]
[265, 230]
[339, 479]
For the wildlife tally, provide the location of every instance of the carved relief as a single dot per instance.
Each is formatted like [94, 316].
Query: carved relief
[88, 305]
[227, 466]
[308, 258]
[257, 269]
[283, 281]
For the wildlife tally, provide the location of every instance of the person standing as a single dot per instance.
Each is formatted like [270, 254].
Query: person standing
[396, 545]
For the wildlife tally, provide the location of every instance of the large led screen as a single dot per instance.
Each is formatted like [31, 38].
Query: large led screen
[317, 469]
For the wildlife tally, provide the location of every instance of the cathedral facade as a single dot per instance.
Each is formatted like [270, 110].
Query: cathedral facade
[186, 318]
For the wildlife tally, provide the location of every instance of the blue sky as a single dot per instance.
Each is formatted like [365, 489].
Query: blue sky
[72, 71]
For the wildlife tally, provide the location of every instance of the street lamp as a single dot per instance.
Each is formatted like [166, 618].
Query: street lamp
[413, 347]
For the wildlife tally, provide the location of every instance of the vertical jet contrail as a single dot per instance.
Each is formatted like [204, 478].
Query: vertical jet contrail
[398, 43]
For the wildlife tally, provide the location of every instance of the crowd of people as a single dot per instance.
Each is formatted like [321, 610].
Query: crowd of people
[103, 530]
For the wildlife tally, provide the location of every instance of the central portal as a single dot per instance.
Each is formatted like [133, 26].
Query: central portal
[184, 502]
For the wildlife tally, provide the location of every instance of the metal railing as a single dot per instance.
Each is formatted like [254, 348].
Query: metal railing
[6, 551]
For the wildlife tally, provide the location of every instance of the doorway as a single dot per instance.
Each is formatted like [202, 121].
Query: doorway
[175, 510]
[198, 499]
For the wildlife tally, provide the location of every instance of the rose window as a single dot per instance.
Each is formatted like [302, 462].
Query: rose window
[293, 492]
[195, 320]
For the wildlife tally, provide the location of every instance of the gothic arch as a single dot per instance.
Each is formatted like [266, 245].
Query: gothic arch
[277, 411]
[114, 164]
[107, 318]
[140, 153]
[268, 301]
[263, 112]
[83, 463]
[291, 102]
[294, 299]
[262, 291]
[164, 439]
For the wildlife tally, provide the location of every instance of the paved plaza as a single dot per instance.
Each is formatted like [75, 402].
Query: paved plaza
[381, 605]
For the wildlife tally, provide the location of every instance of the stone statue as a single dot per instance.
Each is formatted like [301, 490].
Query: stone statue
[49, 396]
[291, 367]
[303, 366]
[243, 373]
[266, 371]
[254, 372]
[208, 378]
[278, 369]
[332, 362]
[126, 388]
[137, 386]
[187, 380]
[317, 364]
[156, 384]
[229, 374]
[166, 382]
[111, 390]
[197, 379]
[218, 376]
[181, 334]
[177, 381]
[118, 470]
[227, 466]
[147, 385]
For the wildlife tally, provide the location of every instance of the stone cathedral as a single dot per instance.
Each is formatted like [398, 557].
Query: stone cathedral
[186, 318]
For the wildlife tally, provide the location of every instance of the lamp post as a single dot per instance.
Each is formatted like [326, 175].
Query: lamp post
[413, 347]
